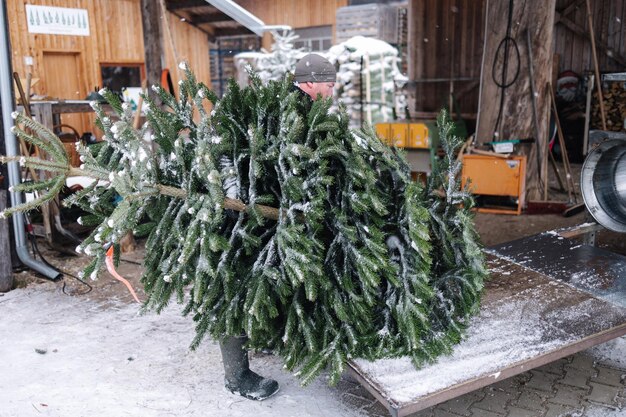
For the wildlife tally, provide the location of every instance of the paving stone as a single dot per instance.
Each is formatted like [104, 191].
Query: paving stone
[556, 367]
[359, 391]
[477, 412]
[603, 394]
[461, 405]
[494, 401]
[598, 410]
[511, 385]
[558, 410]
[533, 400]
[542, 381]
[582, 361]
[347, 384]
[568, 395]
[522, 412]
[609, 376]
[378, 410]
[356, 401]
[430, 412]
[577, 377]
[439, 413]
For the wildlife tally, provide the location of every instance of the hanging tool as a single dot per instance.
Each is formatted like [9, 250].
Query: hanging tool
[569, 180]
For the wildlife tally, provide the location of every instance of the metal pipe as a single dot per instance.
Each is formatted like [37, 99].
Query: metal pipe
[239, 14]
[6, 97]
[244, 17]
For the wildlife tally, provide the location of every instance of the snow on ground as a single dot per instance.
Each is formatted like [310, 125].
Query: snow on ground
[67, 356]
[612, 353]
[603, 412]
[70, 356]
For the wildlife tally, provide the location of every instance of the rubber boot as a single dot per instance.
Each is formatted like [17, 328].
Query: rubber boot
[238, 377]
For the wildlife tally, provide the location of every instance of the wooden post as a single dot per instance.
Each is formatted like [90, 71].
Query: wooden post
[537, 16]
[595, 65]
[6, 273]
[417, 11]
[569, 180]
[42, 112]
[153, 48]
[588, 113]
[368, 88]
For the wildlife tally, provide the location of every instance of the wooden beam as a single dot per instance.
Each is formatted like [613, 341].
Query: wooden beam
[199, 19]
[231, 31]
[152, 40]
[187, 4]
[580, 31]
[185, 17]
[569, 9]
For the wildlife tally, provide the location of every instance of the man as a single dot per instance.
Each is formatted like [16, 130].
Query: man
[314, 76]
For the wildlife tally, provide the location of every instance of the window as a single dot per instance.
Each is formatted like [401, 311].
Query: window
[315, 38]
[116, 77]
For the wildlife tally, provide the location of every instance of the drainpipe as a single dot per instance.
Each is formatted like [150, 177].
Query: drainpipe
[6, 104]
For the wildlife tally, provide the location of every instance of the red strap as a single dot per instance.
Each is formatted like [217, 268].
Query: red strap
[109, 263]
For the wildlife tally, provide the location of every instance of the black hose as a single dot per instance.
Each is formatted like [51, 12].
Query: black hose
[507, 42]
[37, 252]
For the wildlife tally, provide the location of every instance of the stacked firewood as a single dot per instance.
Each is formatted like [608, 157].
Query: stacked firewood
[614, 93]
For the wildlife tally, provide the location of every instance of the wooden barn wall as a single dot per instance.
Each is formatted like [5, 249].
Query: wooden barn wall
[297, 14]
[115, 37]
[446, 41]
[192, 46]
[573, 46]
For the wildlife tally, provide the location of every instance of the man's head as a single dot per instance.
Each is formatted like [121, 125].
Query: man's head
[315, 75]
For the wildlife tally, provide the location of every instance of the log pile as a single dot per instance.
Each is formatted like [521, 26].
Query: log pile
[614, 93]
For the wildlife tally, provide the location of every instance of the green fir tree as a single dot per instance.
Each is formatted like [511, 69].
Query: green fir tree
[269, 217]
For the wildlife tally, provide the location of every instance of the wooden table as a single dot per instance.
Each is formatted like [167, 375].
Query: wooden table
[547, 297]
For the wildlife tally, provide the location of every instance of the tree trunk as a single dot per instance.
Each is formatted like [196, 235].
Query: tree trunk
[537, 17]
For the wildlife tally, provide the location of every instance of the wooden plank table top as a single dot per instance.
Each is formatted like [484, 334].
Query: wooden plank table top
[527, 319]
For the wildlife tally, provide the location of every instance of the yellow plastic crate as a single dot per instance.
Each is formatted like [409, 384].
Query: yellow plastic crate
[418, 136]
[382, 130]
[399, 133]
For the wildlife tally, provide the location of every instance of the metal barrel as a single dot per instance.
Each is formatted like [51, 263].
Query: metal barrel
[603, 184]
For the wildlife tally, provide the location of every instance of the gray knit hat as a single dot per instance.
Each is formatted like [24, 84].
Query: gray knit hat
[316, 69]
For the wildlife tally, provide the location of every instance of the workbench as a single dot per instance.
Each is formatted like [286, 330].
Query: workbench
[547, 297]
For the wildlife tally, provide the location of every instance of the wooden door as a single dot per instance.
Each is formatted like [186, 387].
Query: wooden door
[63, 81]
